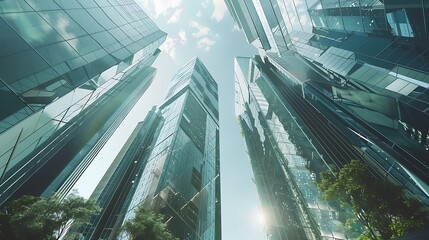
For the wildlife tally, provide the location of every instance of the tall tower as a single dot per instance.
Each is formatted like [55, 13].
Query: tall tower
[285, 156]
[70, 72]
[364, 66]
[170, 164]
[114, 191]
[181, 177]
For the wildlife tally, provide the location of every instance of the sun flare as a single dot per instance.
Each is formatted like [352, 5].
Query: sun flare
[261, 217]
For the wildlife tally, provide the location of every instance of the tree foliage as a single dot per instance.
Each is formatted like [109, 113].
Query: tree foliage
[37, 218]
[380, 205]
[147, 225]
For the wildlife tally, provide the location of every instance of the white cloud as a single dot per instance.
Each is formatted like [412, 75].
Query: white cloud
[175, 17]
[203, 35]
[219, 10]
[205, 43]
[162, 6]
[182, 37]
[201, 30]
[169, 47]
[235, 28]
[199, 14]
[205, 3]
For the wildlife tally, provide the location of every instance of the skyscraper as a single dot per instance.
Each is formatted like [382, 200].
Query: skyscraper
[170, 164]
[114, 192]
[363, 66]
[286, 159]
[70, 72]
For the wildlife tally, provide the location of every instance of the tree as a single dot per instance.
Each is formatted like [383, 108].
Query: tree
[147, 225]
[32, 217]
[380, 205]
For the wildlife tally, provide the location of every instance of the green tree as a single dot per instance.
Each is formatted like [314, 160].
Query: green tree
[147, 225]
[380, 205]
[37, 218]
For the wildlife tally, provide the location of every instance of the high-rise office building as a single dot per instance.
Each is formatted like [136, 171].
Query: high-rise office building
[285, 157]
[113, 193]
[363, 65]
[70, 71]
[170, 164]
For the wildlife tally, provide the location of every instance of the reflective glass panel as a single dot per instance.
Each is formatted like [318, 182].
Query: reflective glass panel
[101, 17]
[63, 24]
[85, 20]
[43, 5]
[14, 6]
[33, 28]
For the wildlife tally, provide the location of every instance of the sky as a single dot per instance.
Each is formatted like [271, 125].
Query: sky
[204, 29]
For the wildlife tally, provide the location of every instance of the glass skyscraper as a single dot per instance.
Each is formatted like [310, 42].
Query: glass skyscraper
[286, 158]
[70, 71]
[354, 75]
[181, 177]
[114, 192]
[170, 164]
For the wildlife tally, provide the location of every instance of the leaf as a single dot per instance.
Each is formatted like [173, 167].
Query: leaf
[147, 225]
[382, 206]
[32, 217]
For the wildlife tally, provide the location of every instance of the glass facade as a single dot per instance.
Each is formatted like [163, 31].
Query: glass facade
[286, 159]
[181, 177]
[114, 191]
[363, 65]
[62, 63]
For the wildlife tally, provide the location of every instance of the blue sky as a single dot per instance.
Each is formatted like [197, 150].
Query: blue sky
[205, 29]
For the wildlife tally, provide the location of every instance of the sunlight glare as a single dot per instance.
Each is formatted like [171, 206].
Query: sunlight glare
[261, 218]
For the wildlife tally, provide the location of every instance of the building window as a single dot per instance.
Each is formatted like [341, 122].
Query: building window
[196, 179]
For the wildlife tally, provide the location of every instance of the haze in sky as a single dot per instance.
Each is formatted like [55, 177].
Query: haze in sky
[204, 29]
